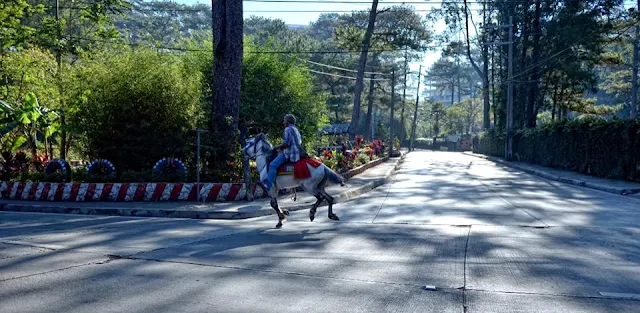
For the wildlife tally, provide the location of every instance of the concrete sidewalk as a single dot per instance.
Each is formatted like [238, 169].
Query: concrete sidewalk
[607, 185]
[358, 185]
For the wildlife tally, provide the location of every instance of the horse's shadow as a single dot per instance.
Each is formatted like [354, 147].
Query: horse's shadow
[252, 239]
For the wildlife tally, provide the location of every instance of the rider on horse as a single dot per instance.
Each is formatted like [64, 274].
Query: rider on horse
[290, 147]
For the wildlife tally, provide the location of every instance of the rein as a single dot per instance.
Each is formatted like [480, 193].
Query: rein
[263, 153]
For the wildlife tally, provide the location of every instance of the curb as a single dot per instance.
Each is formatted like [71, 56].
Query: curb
[142, 212]
[570, 181]
[134, 212]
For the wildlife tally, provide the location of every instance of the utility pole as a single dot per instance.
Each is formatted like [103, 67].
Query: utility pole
[198, 131]
[633, 113]
[393, 99]
[458, 71]
[508, 147]
[415, 112]
[63, 132]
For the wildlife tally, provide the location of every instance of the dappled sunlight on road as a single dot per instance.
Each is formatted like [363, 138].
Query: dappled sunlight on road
[477, 231]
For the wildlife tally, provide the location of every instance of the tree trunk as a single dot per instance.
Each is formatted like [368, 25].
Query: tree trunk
[485, 58]
[453, 90]
[227, 75]
[403, 137]
[246, 168]
[562, 110]
[634, 80]
[355, 115]
[333, 93]
[367, 133]
[520, 105]
[415, 113]
[555, 101]
[391, 110]
[493, 86]
[458, 70]
[502, 113]
[486, 119]
[535, 76]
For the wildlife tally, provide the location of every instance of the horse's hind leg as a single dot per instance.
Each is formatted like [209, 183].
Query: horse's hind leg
[330, 199]
[312, 213]
[274, 205]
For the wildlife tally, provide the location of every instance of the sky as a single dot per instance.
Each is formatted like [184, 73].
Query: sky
[304, 18]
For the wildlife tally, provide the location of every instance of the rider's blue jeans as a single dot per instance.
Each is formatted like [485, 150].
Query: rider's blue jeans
[273, 170]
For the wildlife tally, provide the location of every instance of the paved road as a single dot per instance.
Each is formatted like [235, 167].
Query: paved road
[489, 238]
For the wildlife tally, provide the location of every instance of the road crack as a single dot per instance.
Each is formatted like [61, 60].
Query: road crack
[464, 273]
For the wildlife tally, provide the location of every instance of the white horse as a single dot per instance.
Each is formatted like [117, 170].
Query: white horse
[260, 149]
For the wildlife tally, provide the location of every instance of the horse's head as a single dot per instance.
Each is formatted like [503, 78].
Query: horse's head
[257, 146]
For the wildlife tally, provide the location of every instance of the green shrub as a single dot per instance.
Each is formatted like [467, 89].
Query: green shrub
[362, 159]
[592, 146]
[138, 107]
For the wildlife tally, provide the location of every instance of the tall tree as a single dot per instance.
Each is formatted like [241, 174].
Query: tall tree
[633, 113]
[535, 76]
[355, 115]
[227, 73]
[483, 73]
[396, 28]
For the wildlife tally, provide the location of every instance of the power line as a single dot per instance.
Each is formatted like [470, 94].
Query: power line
[347, 77]
[341, 69]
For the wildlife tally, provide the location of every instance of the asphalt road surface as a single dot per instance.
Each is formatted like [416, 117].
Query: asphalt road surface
[488, 238]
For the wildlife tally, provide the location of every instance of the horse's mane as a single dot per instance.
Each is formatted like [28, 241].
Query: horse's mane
[263, 137]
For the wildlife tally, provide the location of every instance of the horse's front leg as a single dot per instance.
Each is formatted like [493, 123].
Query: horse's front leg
[312, 212]
[274, 205]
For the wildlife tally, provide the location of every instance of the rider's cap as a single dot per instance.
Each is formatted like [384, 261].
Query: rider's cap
[290, 118]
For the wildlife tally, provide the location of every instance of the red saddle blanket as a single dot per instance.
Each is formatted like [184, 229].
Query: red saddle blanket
[299, 170]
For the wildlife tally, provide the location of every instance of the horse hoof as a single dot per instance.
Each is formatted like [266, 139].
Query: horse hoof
[279, 225]
[334, 217]
[312, 215]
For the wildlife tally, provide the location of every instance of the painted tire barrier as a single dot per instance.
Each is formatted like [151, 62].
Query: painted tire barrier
[101, 166]
[124, 192]
[58, 165]
[169, 163]
[129, 192]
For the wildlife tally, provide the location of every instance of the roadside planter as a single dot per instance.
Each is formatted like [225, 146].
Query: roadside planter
[150, 192]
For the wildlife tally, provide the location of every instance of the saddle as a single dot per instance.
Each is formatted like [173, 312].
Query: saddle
[299, 169]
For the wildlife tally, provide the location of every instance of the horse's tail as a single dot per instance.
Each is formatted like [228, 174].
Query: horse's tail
[333, 176]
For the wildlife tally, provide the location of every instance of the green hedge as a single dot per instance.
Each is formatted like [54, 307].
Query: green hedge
[609, 149]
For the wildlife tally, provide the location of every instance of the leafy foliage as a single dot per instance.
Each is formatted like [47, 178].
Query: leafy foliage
[141, 107]
[271, 88]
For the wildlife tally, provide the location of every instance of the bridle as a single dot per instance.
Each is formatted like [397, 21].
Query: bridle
[254, 144]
